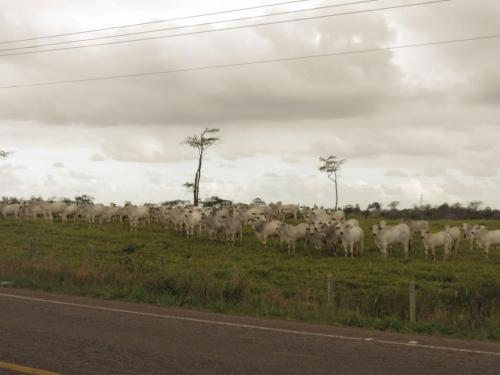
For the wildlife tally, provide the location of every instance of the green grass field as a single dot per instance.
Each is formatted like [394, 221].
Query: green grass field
[459, 298]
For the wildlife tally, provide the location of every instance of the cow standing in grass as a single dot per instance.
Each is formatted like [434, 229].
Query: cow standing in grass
[11, 210]
[265, 230]
[353, 239]
[486, 238]
[291, 234]
[433, 240]
[386, 235]
[232, 227]
[455, 234]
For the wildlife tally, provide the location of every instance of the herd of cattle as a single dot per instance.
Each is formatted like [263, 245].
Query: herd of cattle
[322, 229]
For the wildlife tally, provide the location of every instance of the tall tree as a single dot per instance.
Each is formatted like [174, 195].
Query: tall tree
[200, 143]
[394, 205]
[331, 166]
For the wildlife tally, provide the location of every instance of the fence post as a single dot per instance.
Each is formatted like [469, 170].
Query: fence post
[413, 317]
[162, 263]
[91, 258]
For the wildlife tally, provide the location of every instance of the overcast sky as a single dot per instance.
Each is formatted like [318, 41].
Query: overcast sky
[409, 122]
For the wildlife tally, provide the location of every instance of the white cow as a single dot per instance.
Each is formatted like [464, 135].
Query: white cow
[339, 215]
[416, 226]
[175, 217]
[349, 223]
[319, 216]
[285, 210]
[55, 209]
[264, 230]
[210, 225]
[32, 210]
[433, 240]
[455, 234]
[292, 233]
[353, 238]
[72, 211]
[486, 238]
[468, 230]
[136, 215]
[11, 210]
[112, 213]
[253, 212]
[192, 219]
[232, 226]
[385, 235]
[91, 212]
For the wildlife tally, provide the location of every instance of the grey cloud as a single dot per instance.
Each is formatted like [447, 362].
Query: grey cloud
[324, 88]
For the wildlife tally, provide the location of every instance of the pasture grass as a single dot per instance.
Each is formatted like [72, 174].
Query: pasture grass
[459, 298]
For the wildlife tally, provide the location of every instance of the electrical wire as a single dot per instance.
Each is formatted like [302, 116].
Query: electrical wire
[227, 28]
[189, 26]
[257, 62]
[154, 22]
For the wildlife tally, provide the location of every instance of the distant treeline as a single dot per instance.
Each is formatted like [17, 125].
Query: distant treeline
[445, 211]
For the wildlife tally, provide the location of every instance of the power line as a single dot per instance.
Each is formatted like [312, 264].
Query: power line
[228, 28]
[194, 25]
[257, 62]
[153, 22]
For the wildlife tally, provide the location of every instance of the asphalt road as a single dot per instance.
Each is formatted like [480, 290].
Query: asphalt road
[75, 335]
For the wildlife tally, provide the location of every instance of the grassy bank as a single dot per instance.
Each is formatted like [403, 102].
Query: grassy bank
[459, 298]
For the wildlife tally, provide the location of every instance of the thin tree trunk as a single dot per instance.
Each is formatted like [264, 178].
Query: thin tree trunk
[336, 193]
[195, 195]
[197, 179]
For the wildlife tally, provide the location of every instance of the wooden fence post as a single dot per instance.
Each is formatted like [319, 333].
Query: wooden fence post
[413, 317]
